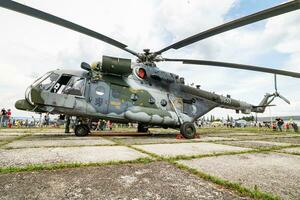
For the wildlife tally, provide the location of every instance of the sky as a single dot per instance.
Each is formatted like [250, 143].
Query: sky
[30, 47]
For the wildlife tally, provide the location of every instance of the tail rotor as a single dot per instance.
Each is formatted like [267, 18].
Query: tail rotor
[276, 93]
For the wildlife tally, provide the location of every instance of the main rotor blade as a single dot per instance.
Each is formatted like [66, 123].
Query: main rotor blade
[268, 13]
[236, 66]
[11, 5]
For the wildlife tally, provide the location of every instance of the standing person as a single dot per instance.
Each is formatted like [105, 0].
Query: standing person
[18, 124]
[26, 123]
[233, 123]
[8, 114]
[102, 122]
[67, 124]
[274, 126]
[280, 122]
[98, 125]
[295, 127]
[109, 124]
[104, 125]
[3, 117]
[287, 127]
[46, 119]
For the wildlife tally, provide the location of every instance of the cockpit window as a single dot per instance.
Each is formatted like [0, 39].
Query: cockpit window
[75, 86]
[61, 84]
[48, 82]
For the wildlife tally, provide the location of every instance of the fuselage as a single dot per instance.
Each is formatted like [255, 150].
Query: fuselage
[146, 95]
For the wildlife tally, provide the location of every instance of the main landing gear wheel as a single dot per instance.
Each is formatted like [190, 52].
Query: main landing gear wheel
[142, 128]
[188, 130]
[81, 130]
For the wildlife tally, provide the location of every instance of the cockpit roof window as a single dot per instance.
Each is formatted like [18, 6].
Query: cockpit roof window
[40, 79]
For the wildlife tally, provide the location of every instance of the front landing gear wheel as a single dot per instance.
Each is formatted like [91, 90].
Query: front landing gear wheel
[81, 130]
[142, 128]
[188, 130]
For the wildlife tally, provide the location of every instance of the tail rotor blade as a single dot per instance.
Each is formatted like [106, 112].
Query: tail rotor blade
[284, 99]
[275, 82]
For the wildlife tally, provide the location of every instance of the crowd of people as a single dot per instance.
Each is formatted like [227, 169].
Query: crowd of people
[25, 123]
[5, 118]
[102, 125]
[7, 121]
[279, 125]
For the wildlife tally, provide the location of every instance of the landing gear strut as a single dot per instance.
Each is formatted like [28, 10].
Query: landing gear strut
[81, 130]
[188, 130]
[142, 128]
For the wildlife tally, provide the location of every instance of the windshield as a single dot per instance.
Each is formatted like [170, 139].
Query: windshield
[48, 82]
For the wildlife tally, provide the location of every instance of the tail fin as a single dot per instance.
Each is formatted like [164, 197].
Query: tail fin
[265, 102]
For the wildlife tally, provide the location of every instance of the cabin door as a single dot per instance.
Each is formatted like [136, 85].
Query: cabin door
[99, 96]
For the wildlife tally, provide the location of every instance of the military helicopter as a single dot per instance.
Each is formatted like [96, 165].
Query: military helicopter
[123, 91]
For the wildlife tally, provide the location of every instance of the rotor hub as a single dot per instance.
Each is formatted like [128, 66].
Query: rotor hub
[148, 57]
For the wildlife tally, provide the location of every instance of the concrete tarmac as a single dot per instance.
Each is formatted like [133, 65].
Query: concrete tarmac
[272, 167]
[26, 156]
[189, 149]
[272, 172]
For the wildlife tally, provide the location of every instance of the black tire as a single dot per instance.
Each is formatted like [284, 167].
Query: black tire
[188, 130]
[81, 130]
[142, 128]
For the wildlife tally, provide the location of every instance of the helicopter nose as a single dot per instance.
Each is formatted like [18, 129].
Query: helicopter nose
[23, 104]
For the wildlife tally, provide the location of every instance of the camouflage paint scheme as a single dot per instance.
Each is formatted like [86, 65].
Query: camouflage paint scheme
[118, 90]
[113, 90]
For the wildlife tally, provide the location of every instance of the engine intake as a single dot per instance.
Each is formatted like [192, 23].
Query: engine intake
[116, 66]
